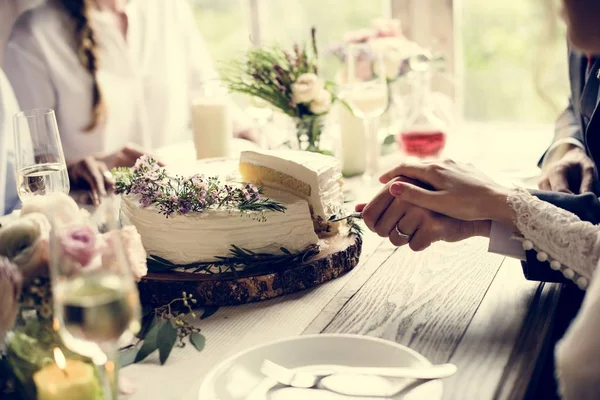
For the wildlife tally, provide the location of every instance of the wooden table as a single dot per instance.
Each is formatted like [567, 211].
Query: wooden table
[453, 303]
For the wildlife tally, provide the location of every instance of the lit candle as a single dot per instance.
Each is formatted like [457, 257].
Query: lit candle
[65, 380]
[353, 143]
[212, 127]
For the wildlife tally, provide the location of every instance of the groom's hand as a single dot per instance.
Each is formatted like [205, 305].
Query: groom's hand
[386, 215]
[573, 173]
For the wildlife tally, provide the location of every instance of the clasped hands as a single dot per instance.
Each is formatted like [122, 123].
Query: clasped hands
[424, 203]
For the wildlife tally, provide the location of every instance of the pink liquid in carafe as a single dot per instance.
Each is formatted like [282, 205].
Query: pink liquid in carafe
[422, 143]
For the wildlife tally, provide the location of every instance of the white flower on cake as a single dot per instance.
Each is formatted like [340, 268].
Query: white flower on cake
[307, 88]
[322, 103]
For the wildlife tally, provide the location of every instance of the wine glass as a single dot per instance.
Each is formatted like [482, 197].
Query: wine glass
[96, 301]
[39, 159]
[366, 93]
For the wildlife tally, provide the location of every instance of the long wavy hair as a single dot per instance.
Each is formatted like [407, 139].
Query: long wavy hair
[86, 48]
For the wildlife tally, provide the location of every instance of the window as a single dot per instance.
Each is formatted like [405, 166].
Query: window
[508, 58]
[515, 63]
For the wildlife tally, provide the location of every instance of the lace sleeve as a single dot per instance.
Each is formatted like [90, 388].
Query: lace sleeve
[558, 233]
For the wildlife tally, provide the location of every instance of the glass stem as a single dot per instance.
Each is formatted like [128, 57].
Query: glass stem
[109, 373]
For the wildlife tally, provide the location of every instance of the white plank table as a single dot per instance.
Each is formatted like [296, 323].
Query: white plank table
[453, 303]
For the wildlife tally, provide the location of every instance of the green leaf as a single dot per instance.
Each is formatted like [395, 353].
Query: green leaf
[150, 341]
[208, 311]
[166, 340]
[127, 356]
[198, 340]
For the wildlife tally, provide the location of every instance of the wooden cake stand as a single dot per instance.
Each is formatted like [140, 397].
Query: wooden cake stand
[338, 255]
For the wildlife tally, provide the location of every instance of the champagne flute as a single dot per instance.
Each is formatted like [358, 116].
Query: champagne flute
[39, 159]
[96, 302]
[366, 93]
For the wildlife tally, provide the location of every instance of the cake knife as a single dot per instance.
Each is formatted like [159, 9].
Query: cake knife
[335, 218]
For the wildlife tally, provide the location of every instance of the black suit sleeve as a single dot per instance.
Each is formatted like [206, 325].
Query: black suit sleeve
[585, 206]
[567, 126]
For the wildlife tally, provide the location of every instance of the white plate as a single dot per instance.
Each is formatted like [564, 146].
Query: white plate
[238, 376]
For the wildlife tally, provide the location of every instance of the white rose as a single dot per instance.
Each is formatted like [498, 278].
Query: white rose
[321, 103]
[306, 88]
[57, 207]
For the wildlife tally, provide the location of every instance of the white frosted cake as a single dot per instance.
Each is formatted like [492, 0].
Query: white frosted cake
[314, 177]
[283, 199]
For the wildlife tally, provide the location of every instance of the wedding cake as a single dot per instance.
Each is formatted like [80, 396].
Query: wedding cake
[277, 201]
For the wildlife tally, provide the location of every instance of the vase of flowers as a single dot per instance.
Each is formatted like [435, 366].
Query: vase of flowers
[289, 81]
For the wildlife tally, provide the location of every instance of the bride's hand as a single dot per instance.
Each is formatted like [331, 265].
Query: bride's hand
[126, 157]
[458, 191]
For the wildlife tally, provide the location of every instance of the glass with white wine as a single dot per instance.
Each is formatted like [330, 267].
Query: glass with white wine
[365, 90]
[40, 162]
[96, 301]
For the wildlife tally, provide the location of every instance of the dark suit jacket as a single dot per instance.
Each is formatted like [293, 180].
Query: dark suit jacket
[580, 120]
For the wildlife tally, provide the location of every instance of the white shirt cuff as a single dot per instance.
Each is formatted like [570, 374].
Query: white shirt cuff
[501, 242]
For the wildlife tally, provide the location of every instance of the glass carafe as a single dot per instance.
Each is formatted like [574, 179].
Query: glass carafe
[428, 124]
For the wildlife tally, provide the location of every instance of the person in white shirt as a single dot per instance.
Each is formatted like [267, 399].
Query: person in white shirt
[120, 75]
[8, 188]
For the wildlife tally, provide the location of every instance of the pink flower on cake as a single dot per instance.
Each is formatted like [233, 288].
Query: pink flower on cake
[10, 291]
[128, 241]
[79, 243]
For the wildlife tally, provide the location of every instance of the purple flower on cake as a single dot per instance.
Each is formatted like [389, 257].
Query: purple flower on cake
[246, 194]
[79, 243]
[252, 189]
[10, 291]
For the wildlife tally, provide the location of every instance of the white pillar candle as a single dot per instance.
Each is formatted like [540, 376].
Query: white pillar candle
[212, 127]
[353, 143]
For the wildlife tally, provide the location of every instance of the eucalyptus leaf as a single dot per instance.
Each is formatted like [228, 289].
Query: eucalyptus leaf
[198, 340]
[127, 356]
[147, 323]
[167, 336]
[208, 311]
[150, 341]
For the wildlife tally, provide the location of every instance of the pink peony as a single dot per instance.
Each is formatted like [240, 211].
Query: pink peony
[79, 243]
[128, 240]
[387, 27]
[10, 291]
[359, 36]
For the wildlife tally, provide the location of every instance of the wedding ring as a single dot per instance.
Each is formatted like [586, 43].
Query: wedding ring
[402, 234]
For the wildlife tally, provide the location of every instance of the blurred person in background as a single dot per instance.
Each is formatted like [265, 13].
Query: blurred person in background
[119, 74]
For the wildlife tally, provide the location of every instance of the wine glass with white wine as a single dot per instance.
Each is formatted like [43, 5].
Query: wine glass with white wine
[39, 159]
[365, 90]
[96, 301]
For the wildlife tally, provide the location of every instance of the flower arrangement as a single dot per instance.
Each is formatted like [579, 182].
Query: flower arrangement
[289, 81]
[385, 37]
[27, 336]
[180, 195]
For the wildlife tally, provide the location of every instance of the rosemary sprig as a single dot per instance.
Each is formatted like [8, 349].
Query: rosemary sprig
[261, 204]
[239, 259]
[355, 228]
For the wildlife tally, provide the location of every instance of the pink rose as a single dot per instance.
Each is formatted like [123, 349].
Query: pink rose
[10, 290]
[359, 36]
[128, 240]
[387, 27]
[79, 243]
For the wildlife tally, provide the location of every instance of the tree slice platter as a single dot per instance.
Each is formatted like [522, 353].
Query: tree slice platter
[339, 254]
